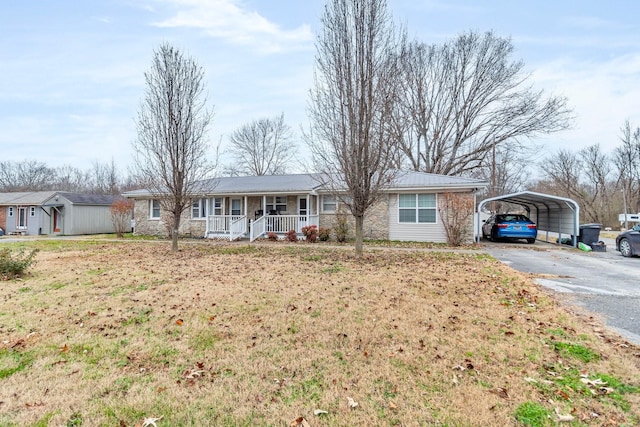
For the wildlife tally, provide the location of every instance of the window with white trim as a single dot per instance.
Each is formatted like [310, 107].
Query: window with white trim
[32, 211]
[329, 203]
[215, 205]
[10, 210]
[199, 208]
[417, 208]
[154, 209]
[236, 207]
[276, 203]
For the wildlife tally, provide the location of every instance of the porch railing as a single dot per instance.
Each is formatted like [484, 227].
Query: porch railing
[257, 228]
[280, 224]
[236, 225]
[221, 224]
[238, 228]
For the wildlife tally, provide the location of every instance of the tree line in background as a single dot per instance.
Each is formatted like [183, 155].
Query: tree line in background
[32, 175]
[604, 184]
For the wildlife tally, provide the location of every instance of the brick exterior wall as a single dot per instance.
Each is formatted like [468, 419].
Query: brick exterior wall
[376, 221]
[3, 218]
[160, 227]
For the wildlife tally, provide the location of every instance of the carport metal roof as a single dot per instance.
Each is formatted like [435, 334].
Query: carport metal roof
[551, 213]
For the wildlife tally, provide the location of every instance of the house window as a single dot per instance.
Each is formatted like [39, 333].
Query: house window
[276, 203]
[10, 211]
[199, 209]
[417, 208]
[32, 211]
[236, 207]
[329, 203]
[154, 209]
[215, 205]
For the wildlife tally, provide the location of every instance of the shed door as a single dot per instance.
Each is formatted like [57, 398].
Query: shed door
[57, 220]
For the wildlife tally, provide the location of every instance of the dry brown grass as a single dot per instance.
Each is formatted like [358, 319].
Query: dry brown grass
[230, 334]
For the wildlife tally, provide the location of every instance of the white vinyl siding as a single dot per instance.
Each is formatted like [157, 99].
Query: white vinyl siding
[414, 231]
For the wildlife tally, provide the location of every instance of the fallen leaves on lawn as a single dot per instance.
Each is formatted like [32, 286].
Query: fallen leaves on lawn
[501, 392]
[319, 412]
[299, 422]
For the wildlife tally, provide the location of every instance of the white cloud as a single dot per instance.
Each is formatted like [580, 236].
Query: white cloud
[603, 95]
[227, 19]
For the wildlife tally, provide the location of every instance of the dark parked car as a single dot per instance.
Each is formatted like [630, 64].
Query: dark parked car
[628, 243]
[509, 226]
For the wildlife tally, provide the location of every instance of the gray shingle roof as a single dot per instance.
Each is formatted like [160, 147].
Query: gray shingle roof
[90, 199]
[305, 183]
[414, 180]
[35, 198]
[25, 198]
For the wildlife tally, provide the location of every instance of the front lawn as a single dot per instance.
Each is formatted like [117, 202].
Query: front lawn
[116, 333]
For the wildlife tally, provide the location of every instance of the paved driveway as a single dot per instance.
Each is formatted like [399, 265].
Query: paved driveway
[603, 282]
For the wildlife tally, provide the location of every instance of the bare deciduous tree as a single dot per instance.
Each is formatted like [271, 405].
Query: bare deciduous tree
[464, 97]
[351, 137]
[627, 162]
[584, 177]
[70, 178]
[121, 215]
[105, 178]
[456, 212]
[262, 147]
[27, 175]
[171, 148]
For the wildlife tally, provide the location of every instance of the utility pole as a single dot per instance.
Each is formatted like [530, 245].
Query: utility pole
[493, 174]
[624, 201]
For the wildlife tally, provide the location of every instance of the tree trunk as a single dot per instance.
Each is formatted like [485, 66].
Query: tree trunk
[359, 234]
[174, 235]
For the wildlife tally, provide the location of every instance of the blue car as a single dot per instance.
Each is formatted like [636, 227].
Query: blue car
[509, 226]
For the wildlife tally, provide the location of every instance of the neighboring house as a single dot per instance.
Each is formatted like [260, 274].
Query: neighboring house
[253, 206]
[55, 212]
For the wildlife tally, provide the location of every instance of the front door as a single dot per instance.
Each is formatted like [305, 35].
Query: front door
[56, 220]
[303, 212]
[22, 218]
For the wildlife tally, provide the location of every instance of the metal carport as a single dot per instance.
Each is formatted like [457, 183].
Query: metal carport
[551, 213]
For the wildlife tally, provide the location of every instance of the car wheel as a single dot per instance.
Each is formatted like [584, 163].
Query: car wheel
[531, 241]
[625, 247]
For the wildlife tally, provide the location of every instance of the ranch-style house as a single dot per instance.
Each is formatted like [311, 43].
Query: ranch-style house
[253, 206]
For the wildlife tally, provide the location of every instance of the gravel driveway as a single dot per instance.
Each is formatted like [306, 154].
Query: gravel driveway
[605, 283]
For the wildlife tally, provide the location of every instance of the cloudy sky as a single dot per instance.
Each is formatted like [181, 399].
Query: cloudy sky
[72, 71]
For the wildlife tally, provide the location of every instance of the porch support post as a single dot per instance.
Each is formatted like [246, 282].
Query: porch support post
[246, 213]
[264, 205]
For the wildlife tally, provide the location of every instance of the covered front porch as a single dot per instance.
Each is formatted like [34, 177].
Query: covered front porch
[255, 216]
